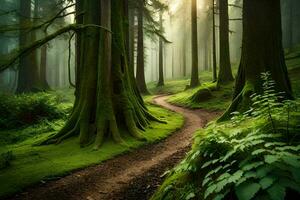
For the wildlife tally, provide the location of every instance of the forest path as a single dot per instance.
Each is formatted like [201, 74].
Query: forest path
[135, 175]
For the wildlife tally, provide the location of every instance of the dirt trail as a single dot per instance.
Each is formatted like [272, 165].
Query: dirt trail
[135, 175]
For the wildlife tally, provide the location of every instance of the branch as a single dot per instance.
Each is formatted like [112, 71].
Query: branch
[26, 50]
[236, 19]
[46, 23]
[235, 6]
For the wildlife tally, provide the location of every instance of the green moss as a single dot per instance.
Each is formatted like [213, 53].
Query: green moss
[35, 163]
[220, 99]
[177, 85]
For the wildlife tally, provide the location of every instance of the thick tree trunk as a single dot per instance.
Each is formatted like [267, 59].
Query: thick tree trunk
[194, 76]
[131, 19]
[225, 73]
[214, 49]
[140, 68]
[161, 81]
[261, 51]
[29, 80]
[108, 97]
[78, 43]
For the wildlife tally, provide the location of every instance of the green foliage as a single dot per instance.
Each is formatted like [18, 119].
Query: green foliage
[25, 109]
[5, 159]
[253, 156]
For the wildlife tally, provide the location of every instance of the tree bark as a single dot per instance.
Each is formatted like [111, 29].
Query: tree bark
[195, 75]
[161, 81]
[43, 68]
[261, 51]
[108, 97]
[214, 48]
[225, 72]
[28, 68]
[140, 68]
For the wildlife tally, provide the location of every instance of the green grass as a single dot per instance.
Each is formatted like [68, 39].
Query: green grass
[176, 85]
[31, 164]
[219, 101]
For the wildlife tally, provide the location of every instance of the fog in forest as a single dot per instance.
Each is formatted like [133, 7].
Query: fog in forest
[176, 52]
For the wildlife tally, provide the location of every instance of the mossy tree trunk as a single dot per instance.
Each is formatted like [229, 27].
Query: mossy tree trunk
[29, 79]
[108, 99]
[161, 81]
[225, 72]
[194, 74]
[140, 68]
[261, 51]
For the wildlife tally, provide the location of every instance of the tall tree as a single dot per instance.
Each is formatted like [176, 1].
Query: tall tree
[225, 72]
[195, 75]
[161, 81]
[261, 51]
[108, 97]
[29, 80]
[140, 68]
[214, 49]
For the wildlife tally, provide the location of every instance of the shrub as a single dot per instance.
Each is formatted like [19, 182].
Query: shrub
[26, 109]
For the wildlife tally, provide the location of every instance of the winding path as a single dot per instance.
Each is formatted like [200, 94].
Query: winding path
[135, 175]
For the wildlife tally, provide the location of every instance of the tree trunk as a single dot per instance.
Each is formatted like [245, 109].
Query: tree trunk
[131, 36]
[161, 81]
[43, 68]
[194, 76]
[184, 55]
[261, 51]
[108, 97]
[140, 68]
[225, 73]
[214, 49]
[29, 80]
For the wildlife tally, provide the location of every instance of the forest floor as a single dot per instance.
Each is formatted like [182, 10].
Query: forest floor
[135, 175]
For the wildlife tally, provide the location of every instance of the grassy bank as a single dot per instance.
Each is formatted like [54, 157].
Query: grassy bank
[24, 164]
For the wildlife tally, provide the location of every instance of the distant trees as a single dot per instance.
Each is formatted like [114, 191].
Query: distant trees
[262, 51]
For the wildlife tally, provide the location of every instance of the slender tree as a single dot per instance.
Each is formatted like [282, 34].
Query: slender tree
[140, 68]
[225, 73]
[195, 75]
[161, 81]
[261, 51]
[214, 49]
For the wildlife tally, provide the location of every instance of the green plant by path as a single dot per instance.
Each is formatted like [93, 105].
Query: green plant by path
[253, 156]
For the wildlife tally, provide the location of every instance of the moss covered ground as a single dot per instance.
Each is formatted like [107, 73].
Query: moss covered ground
[23, 164]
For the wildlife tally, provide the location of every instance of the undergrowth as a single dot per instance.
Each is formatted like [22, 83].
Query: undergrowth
[255, 155]
[26, 109]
